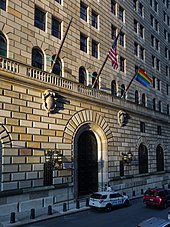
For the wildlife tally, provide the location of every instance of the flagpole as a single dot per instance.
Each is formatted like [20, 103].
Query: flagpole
[125, 91]
[61, 45]
[107, 56]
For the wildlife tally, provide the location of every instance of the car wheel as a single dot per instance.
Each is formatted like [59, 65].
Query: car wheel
[126, 203]
[108, 207]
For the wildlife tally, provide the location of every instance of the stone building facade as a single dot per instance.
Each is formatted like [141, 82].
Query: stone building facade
[62, 139]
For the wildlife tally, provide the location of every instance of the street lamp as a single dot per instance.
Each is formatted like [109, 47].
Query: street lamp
[127, 157]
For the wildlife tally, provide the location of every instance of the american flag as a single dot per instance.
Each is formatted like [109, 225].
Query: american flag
[112, 55]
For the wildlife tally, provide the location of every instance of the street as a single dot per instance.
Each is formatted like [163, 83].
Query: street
[122, 217]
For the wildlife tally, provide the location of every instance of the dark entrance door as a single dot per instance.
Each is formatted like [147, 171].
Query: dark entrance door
[87, 164]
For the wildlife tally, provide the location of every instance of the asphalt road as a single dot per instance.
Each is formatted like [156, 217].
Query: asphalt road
[118, 217]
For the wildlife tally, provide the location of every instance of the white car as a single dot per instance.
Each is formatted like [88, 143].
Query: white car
[106, 200]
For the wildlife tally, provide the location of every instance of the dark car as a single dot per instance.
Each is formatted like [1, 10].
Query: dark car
[159, 197]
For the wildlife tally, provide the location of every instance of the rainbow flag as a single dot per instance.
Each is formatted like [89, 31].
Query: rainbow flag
[142, 78]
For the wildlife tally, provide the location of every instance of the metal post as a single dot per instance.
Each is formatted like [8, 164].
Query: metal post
[49, 210]
[32, 216]
[12, 217]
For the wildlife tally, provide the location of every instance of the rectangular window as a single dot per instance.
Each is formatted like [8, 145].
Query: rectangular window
[158, 64]
[142, 126]
[141, 31]
[39, 19]
[166, 52]
[83, 42]
[152, 40]
[167, 89]
[122, 64]
[156, 25]
[3, 4]
[156, 6]
[113, 7]
[153, 61]
[142, 53]
[113, 32]
[141, 10]
[157, 44]
[152, 20]
[167, 70]
[94, 49]
[159, 130]
[158, 84]
[83, 11]
[153, 81]
[121, 39]
[94, 19]
[121, 13]
[165, 34]
[56, 28]
[135, 4]
[135, 26]
[135, 48]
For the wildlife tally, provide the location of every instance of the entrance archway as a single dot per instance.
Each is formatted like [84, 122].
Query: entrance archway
[87, 158]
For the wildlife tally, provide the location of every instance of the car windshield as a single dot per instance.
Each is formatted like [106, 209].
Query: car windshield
[151, 193]
[99, 196]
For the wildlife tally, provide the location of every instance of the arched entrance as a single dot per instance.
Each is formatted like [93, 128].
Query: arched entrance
[87, 162]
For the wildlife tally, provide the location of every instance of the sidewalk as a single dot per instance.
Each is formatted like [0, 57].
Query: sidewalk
[22, 218]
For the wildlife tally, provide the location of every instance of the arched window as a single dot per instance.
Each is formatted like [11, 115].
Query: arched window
[82, 76]
[159, 158]
[154, 104]
[136, 97]
[3, 45]
[143, 159]
[143, 100]
[57, 68]
[37, 58]
[123, 94]
[113, 87]
[94, 75]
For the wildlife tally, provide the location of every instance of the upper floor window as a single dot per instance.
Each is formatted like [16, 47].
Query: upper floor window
[167, 107]
[152, 40]
[135, 48]
[122, 39]
[37, 58]
[154, 104]
[121, 13]
[113, 30]
[82, 76]
[94, 19]
[122, 64]
[143, 100]
[39, 19]
[135, 26]
[57, 68]
[135, 4]
[152, 20]
[113, 7]
[141, 9]
[159, 130]
[158, 84]
[156, 6]
[113, 88]
[160, 106]
[83, 11]
[157, 44]
[142, 53]
[83, 42]
[56, 28]
[3, 45]
[153, 81]
[94, 49]
[59, 1]
[158, 64]
[136, 97]
[141, 31]
[3, 4]
[142, 126]
[156, 25]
